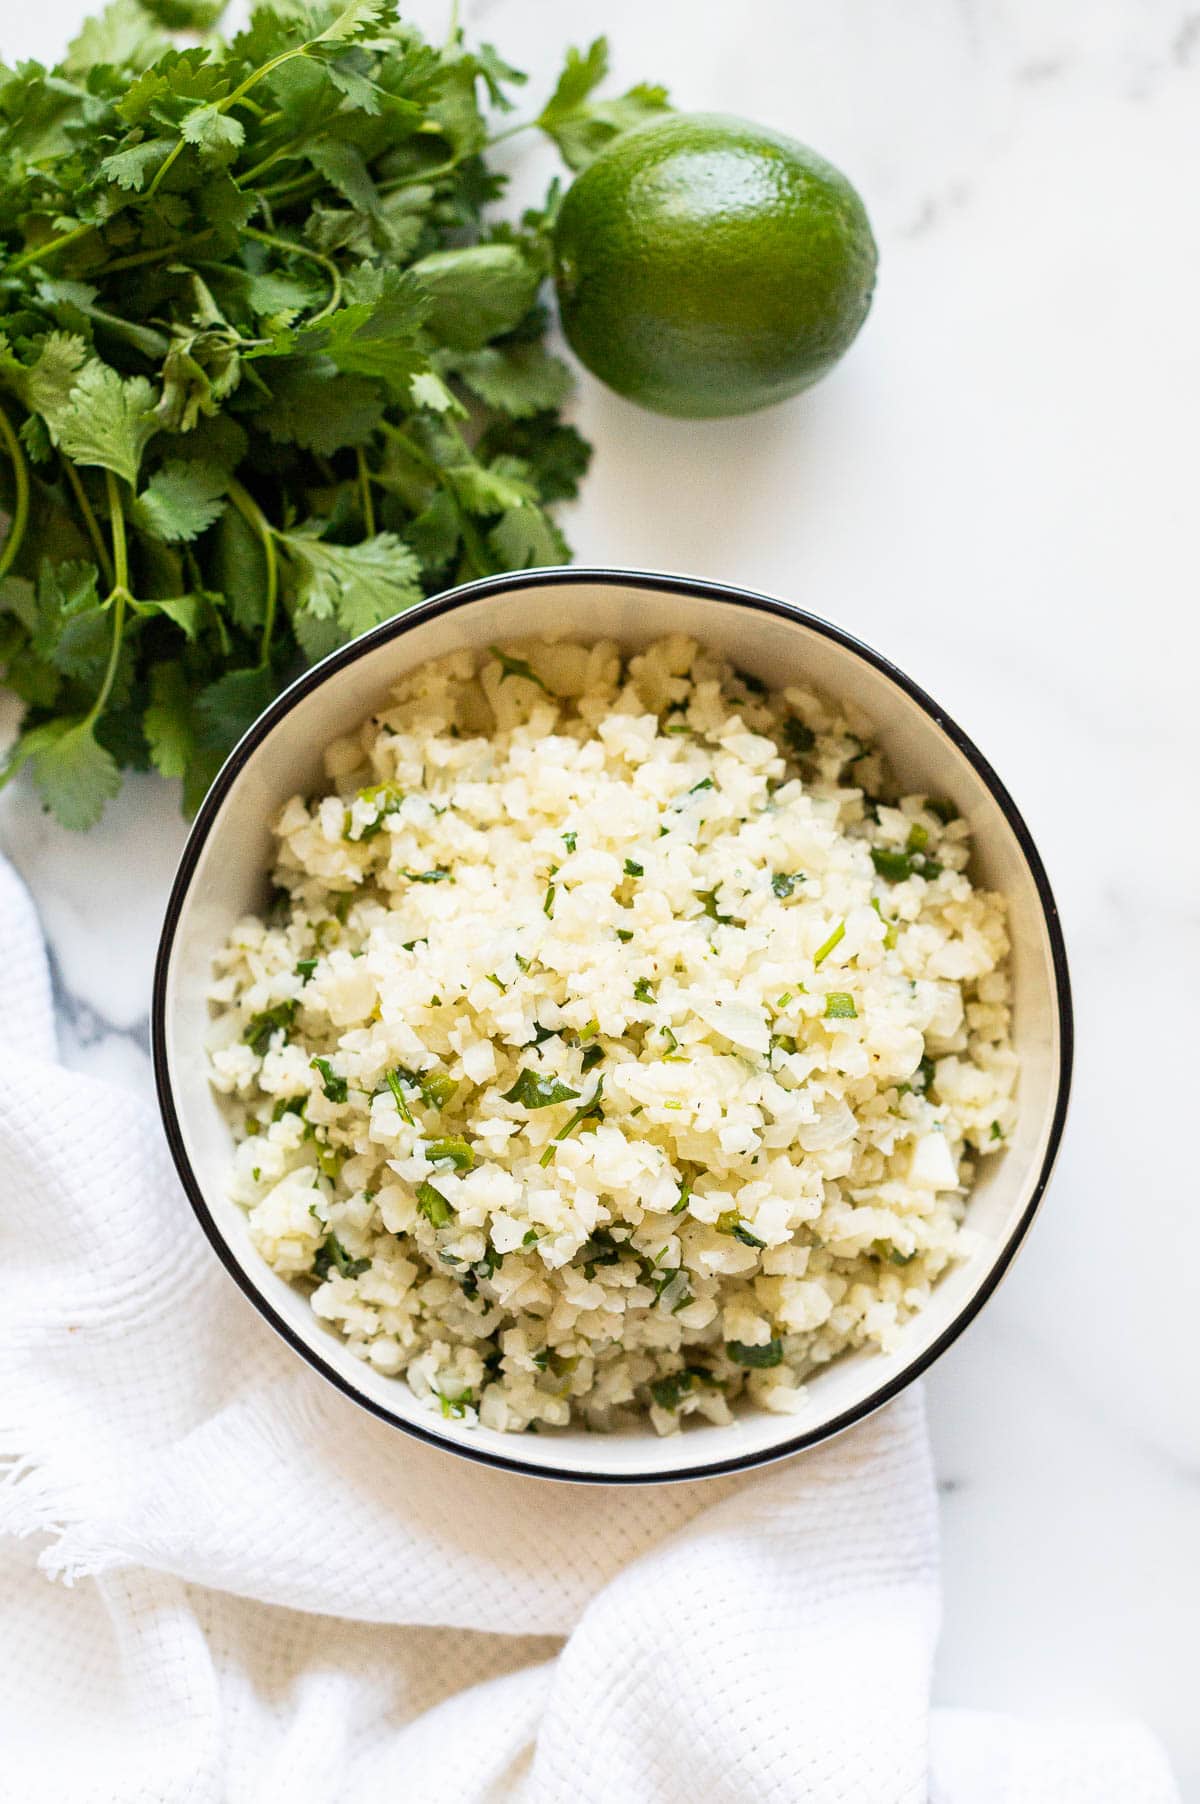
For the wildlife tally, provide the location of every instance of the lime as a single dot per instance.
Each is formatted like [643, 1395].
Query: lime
[708, 266]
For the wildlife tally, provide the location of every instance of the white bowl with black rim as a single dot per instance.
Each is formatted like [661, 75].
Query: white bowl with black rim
[224, 874]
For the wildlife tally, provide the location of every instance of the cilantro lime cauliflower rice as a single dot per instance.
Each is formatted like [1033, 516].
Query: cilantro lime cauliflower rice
[613, 1045]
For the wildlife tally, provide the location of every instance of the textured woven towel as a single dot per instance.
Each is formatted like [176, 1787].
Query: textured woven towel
[269, 1595]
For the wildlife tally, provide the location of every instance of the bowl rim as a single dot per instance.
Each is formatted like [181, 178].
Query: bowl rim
[446, 602]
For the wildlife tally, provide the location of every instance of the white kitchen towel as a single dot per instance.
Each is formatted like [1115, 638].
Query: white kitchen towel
[221, 1582]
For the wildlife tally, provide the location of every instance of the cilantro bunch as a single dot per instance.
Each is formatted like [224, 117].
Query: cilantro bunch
[268, 371]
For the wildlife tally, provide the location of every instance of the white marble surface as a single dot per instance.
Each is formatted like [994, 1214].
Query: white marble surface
[998, 489]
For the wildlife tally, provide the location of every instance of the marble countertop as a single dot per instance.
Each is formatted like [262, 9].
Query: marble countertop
[997, 489]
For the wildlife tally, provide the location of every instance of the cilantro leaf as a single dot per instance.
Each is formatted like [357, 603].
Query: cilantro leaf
[582, 127]
[181, 500]
[106, 420]
[73, 773]
[534, 1091]
[478, 291]
[354, 586]
[168, 722]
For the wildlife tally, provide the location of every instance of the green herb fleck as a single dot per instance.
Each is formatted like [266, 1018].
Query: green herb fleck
[783, 884]
[336, 1088]
[392, 1079]
[758, 1358]
[439, 875]
[534, 1091]
[305, 968]
[835, 939]
[642, 990]
[624, 935]
[261, 1029]
[588, 1111]
[944, 811]
[289, 1105]
[800, 738]
[570, 840]
[331, 1255]
[633, 869]
[516, 667]
[451, 1151]
[839, 1006]
[433, 1205]
[730, 1222]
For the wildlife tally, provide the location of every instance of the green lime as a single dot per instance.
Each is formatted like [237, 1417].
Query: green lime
[708, 266]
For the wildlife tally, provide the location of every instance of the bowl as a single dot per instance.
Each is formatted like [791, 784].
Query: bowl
[223, 875]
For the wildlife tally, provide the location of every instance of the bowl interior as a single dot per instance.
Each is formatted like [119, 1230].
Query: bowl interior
[224, 876]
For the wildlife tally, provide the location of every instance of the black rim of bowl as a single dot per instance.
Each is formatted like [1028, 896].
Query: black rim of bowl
[680, 585]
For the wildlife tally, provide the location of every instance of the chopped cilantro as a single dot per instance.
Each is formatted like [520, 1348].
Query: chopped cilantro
[438, 875]
[685, 1191]
[669, 1392]
[897, 866]
[835, 939]
[800, 738]
[570, 840]
[393, 1084]
[331, 1255]
[289, 1105]
[730, 1222]
[433, 1205]
[261, 1029]
[996, 1132]
[336, 1088]
[451, 1151]
[839, 1006]
[592, 1056]
[704, 783]
[548, 902]
[944, 811]
[783, 884]
[709, 899]
[588, 1111]
[758, 1358]
[389, 799]
[533, 1091]
[516, 667]
[624, 935]
[305, 968]
[633, 869]
[492, 978]
[643, 991]
[889, 927]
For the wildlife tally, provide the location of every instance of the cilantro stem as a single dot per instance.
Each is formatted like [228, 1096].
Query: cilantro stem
[156, 256]
[258, 523]
[39, 251]
[364, 489]
[119, 596]
[89, 519]
[473, 545]
[303, 250]
[454, 29]
[117, 523]
[401, 182]
[232, 100]
[292, 147]
[20, 513]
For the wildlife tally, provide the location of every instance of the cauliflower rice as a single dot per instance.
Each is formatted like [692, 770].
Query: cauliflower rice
[613, 1045]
